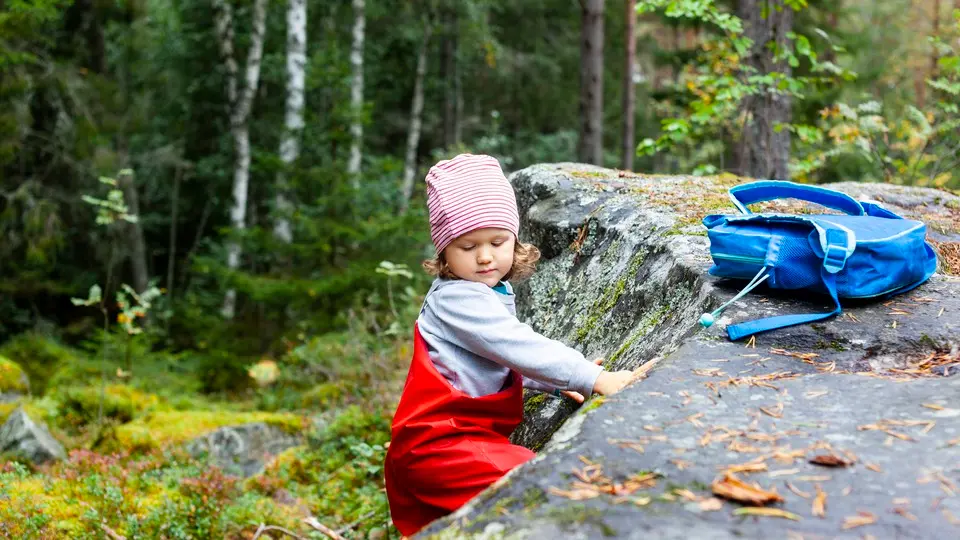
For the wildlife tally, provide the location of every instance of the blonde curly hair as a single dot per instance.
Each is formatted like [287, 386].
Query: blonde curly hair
[525, 257]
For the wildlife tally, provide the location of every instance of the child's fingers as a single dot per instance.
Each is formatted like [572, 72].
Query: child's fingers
[598, 361]
[576, 396]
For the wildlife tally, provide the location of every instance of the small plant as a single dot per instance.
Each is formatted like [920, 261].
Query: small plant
[132, 305]
[394, 270]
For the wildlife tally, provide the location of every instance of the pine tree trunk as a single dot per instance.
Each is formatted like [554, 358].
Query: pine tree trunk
[416, 117]
[240, 105]
[138, 246]
[936, 32]
[764, 150]
[356, 92]
[293, 121]
[629, 95]
[450, 80]
[590, 147]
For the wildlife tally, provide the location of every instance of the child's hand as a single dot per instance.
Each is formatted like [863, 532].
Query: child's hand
[611, 382]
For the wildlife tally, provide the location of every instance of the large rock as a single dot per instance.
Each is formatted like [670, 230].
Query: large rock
[245, 449]
[14, 383]
[22, 437]
[624, 277]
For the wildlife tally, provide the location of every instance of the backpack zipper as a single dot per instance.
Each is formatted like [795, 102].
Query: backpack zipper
[739, 258]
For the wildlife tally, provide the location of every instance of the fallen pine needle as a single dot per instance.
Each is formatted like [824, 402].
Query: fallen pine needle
[820, 503]
[862, 518]
[783, 472]
[765, 512]
[950, 517]
[874, 467]
[932, 406]
[905, 513]
[797, 491]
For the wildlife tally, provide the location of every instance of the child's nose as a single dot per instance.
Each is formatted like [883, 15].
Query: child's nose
[484, 255]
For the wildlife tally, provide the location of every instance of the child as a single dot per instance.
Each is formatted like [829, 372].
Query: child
[472, 357]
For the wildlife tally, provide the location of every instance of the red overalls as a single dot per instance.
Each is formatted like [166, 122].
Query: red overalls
[446, 446]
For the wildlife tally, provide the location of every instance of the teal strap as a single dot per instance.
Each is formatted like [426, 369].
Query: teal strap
[737, 331]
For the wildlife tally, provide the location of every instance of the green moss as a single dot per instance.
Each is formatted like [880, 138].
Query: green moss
[610, 297]
[594, 403]
[81, 405]
[164, 428]
[533, 497]
[533, 403]
[650, 321]
[580, 514]
[12, 377]
[593, 175]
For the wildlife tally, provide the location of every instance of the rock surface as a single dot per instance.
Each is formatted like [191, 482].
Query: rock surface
[23, 437]
[624, 277]
[245, 449]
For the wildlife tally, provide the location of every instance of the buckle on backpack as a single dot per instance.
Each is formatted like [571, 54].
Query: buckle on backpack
[834, 258]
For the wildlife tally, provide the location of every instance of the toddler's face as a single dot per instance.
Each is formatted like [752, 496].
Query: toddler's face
[482, 255]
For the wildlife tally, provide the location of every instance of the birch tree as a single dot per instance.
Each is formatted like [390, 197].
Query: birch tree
[416, 117]
[293, 120]
[590, 146]
[356, 92]
[239, 102]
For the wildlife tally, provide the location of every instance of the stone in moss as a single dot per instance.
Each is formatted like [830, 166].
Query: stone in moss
[533, 403]
[13, 380]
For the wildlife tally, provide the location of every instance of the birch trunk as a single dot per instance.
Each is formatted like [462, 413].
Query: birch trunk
[293, 121]
[356, 93]
[416, 114]
[629, 95]
[590, 147]
[138, 246]
[240, 104]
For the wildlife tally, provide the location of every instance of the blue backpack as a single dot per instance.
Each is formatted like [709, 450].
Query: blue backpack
[867, 252]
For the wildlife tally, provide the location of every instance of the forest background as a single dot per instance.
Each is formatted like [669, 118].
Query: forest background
[213, 211]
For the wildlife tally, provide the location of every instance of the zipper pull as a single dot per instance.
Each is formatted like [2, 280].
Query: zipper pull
[707, 319]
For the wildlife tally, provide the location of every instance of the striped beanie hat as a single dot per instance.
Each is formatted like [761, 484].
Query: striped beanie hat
[467, 193]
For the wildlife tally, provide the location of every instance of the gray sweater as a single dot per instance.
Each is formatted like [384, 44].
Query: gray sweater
[475, 339]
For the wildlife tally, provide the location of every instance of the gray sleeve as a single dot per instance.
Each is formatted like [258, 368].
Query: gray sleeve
[470, 316]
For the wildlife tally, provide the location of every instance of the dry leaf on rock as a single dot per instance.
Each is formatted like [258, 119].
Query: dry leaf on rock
[830, 460]
[862, 518]
[766, 512]
[731, 487]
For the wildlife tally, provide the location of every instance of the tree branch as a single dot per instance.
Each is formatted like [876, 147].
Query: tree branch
[264, 528]
[330, 533]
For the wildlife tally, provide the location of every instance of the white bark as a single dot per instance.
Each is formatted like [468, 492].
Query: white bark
[416, 116]
[240, 105]
[293, 121]
[356, 93]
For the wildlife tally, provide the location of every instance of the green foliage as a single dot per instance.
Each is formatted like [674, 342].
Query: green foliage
[39, 356]
[12, 378]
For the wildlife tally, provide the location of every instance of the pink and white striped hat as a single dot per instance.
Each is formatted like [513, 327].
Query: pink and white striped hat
[466, 193]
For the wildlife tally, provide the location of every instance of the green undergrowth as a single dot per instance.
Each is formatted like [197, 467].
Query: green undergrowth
[125, 422]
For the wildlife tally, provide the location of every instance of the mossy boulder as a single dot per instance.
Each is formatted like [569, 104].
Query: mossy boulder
[624, 276]
[13, 380]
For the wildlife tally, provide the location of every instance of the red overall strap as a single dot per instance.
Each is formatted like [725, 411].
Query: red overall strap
[447, 446]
